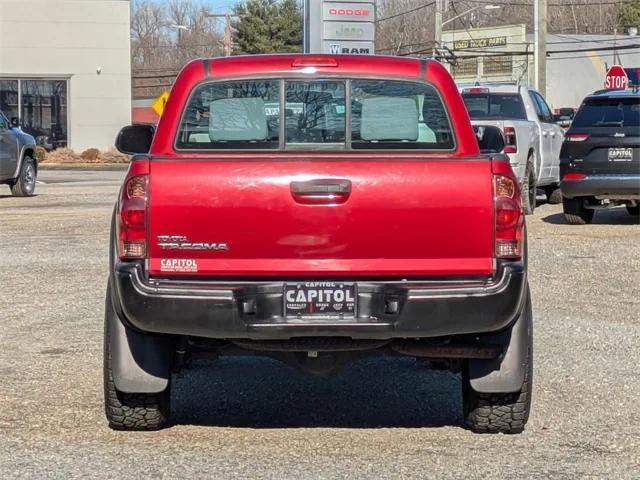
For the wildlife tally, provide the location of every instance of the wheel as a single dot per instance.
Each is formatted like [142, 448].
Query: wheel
[529, 188]
[130, 411]
[635, 210]
[575, 212]
[25, 184]
[500, 412]
[554, 194]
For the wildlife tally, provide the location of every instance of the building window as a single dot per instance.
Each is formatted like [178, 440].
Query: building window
[465, 67]
[497, 66]
[40, 105]
[9, 99]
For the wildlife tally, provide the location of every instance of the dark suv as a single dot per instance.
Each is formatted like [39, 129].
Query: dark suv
[18, 165]
[600, 157]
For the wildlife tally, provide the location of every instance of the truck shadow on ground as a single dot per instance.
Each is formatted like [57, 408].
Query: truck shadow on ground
[263, 393]
[614, 216]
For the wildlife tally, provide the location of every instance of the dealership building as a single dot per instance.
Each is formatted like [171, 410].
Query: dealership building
[65, 69]
[576, 64]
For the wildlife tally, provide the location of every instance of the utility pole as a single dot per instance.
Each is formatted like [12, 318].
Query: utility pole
[540, 54]
[438, 28]
[228, 38]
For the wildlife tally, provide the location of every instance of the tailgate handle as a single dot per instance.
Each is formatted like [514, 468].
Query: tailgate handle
[321, 191]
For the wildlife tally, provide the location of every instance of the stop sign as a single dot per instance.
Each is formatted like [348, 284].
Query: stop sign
[616, 79]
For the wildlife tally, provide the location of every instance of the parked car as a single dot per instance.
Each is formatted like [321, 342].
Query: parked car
[564, 116]
[18, 164]
[600, 163]
[533, 139]
[317, 209]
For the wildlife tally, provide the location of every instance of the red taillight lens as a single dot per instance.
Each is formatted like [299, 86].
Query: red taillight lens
[576, 137]
[314, 61]
[132, 219]
[510, 141]
[574, 176]
[509, 220]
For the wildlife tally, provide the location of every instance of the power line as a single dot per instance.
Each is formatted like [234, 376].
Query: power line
[563, 4]
[170, 75]
[495, 53]
[400, 14]
[162, 85]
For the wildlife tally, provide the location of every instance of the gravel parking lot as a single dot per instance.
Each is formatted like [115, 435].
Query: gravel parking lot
[249, 418]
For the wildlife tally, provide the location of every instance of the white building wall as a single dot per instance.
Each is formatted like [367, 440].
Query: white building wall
[73, 39]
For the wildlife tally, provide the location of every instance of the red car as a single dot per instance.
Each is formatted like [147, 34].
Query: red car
[317, 209]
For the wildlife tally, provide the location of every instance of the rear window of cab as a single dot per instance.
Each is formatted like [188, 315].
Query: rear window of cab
[314, 114]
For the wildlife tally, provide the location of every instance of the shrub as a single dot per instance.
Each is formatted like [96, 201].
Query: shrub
[62, 155]
[90, 155]
[113, 156]
[41, 154]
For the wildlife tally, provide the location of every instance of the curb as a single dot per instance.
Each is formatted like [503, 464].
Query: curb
[82, 166]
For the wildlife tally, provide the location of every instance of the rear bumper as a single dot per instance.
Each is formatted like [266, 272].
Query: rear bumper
[609, 186]
[222, 310]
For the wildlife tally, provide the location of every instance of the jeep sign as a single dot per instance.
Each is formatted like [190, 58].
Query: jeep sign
[339, 27]
[348, 31]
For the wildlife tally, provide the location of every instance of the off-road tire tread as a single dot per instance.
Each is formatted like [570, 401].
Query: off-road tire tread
[554, 196]
[501, 412]
[16, 188]
[575, 213]
[132, 411]
[527, 207]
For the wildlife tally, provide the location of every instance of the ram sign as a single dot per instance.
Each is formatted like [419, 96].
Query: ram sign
[337, 27]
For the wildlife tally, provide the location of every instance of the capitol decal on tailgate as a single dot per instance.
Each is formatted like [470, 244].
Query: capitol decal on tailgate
[178, 265]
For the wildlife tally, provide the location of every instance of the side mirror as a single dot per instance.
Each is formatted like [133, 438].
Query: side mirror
[490, 138]
[135, 139]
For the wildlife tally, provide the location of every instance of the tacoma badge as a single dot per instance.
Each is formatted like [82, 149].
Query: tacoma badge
[180, 242]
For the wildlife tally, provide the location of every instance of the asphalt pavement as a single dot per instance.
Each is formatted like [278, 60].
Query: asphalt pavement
[255, 418]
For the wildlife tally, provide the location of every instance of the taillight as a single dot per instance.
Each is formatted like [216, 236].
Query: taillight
[576, 137]
[509, 220]
[510, 142]
[574, 176]
[132, 218]
[314, 61]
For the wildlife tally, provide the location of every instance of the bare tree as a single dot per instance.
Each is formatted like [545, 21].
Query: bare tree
[166, 36]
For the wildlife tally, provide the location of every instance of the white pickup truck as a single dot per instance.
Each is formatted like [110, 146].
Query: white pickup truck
[532, 138]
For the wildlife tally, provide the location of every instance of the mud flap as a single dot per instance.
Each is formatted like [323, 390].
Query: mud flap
[140, 363]
[505, 374]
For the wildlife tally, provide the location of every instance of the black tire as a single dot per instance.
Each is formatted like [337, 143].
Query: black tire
[635, 210]
[529, 189]
[131, 411]
[25, 184]
[575, 212]
[554, 195]
[500, 412]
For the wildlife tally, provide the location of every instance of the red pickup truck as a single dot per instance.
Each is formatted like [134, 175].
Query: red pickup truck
[317, 209]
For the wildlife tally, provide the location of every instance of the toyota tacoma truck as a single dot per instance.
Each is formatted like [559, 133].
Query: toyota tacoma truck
[532, 137]
[317, 209]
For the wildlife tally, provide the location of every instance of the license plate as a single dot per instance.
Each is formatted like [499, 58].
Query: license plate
[320, 299]
[621, 154]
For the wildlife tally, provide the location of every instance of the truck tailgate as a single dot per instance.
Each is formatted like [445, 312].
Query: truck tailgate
[401, 217]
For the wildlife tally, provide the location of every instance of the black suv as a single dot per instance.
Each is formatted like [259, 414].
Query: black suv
[600, 156]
